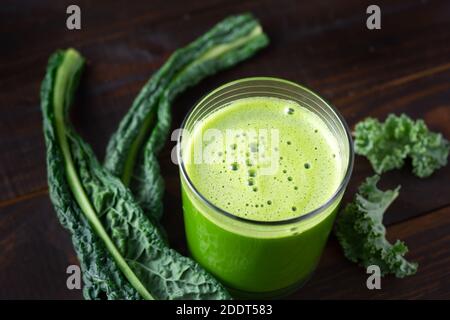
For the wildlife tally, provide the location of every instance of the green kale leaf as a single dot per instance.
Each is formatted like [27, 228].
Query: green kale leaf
[122, 253]
[388, 144]
[362, 235]
[132, 149]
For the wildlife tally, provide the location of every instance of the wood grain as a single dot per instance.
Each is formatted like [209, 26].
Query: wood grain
[427, 236]
[35, 252]
[404, 67]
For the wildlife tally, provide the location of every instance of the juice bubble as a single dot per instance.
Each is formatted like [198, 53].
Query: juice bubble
[253, 147]
[234, 166]
[289, 110]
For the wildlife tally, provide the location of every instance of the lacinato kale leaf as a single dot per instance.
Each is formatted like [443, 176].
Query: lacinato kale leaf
[362, 235]
[132, 150]
[101, 275]
[388, 144]
[122, 254]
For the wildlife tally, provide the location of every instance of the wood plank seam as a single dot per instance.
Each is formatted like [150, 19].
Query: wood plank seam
[396, 82]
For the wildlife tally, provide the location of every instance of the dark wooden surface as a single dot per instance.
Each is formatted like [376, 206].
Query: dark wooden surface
[404, 67]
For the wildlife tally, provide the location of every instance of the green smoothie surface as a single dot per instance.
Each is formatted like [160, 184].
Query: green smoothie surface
[264, 159]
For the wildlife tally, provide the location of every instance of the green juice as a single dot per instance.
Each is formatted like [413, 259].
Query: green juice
[258, 162]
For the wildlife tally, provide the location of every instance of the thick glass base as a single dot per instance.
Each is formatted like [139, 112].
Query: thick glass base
[276, 295]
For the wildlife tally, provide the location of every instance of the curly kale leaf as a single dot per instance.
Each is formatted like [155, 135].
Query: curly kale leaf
[122, 254]
[388, 144]
[362, 235]
[132, 150]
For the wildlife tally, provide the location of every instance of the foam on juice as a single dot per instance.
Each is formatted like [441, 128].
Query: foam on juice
[264, 159]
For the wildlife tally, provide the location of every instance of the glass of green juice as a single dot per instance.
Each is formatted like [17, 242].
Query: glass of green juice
[264, 163]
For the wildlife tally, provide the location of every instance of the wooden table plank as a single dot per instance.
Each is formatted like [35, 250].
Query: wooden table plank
[404, 67]
[428, 238]
[35, 252]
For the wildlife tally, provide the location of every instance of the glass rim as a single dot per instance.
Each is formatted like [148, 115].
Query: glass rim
[288, 221]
